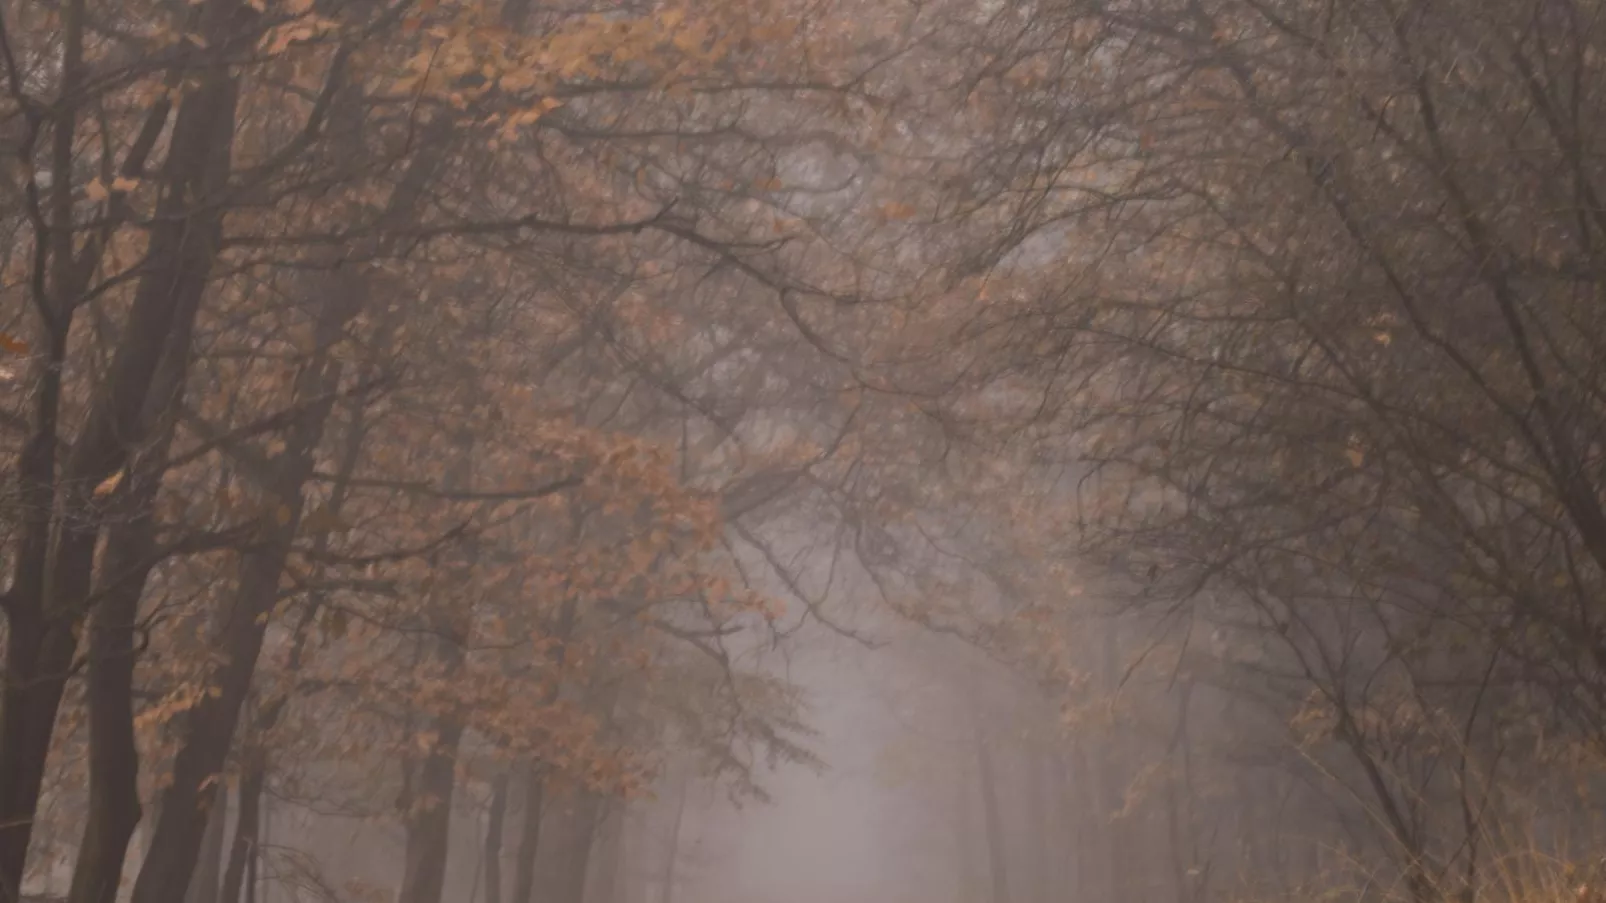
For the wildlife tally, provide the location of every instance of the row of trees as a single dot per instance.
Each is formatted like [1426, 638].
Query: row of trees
[433, 404]
[399, 398]
[1291, 322]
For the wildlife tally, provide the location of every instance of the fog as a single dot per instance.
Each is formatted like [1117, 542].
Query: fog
[802, 451]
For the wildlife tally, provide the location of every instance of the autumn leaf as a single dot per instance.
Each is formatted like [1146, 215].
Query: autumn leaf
[896, 210]
[1355, 453]
[109, 485]
[12, 344]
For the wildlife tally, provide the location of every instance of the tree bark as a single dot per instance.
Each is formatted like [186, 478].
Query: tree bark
[46, 603]
[530, 837]
[666, 893]
[208, 728]
[246, 841]
[609, 857]
[114, 807]
[493, 840]
[204, 885]
[429, 822]
[38, 648]
[429, 819]
[997, 859]
[576, 834]
[130, 556]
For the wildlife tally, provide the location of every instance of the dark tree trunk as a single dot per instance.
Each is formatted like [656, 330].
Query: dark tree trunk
[114, 808]
[529, 837]
[429, 823]
[244, 846]
[208, 728]
[46, 604]
[39, 644]
[493, 840]
[130, 556]
[253, 862]
[575, 836]
[429, 819]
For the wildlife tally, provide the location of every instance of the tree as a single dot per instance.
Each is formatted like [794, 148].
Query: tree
[1319, 353]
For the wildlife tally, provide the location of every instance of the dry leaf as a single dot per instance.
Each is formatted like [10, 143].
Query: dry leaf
[896, 210]
[109, 485]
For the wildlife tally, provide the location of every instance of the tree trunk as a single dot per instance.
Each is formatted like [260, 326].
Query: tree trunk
[535, 789]
[1109, 784]
[429, 823]
[204, 885]
[1039, 793]
[246, 841]
[56, 552]
[39, 645]
[666, 893]
[114, 808]
[429, 819]
[493, 840]
[997, 861]
[1078, 810]
[530, 837]
[130, 556]
[208, 728]
[609, 858]
[569, 884]
[253, 862]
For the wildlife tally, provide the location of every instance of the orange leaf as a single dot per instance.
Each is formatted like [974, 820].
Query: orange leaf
[896, 210]
[109, 485]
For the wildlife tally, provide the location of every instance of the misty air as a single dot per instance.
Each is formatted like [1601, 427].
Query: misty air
[802, 451]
